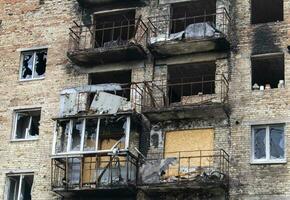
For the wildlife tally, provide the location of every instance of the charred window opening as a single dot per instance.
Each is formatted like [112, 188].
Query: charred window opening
[114, 29]
[191, 79]
[92, 134]
[19, 187]
[33, 64]
[121, 77]
[26, 125]
[264, 11]
[267, 71]
[184, 14]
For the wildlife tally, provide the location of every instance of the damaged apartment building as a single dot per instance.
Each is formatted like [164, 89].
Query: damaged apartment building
[144, 99]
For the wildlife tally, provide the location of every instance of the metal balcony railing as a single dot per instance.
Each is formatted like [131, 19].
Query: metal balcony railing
[164, 28]
[200, 166]
[164, 94]
[92, 171]
[107, 35]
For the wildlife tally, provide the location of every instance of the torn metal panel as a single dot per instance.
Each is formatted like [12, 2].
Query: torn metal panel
[68, 104]
[106, 103]
[151, 171]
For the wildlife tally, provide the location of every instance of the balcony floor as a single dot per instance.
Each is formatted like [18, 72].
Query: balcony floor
[97, 56]
[173, 48]
[203, 111]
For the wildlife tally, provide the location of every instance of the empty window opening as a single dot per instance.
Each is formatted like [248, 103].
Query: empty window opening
[114, 29]
[184, 14]
[267, 72]
[268, 143]
[121, 77]
[19, 187]
[26, 124]
[92, 134]
[190, 79]
[33, 64]
[264, 11]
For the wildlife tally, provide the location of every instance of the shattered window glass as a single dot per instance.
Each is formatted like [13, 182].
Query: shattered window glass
[76, 135]
[27, 124]
[33, 64]
[18, 191]
[260, 143]
[277, 142]
[112, 133]
[62, 130]
[90, 134]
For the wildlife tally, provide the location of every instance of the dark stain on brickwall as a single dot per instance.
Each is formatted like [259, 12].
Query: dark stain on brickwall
[264, 40]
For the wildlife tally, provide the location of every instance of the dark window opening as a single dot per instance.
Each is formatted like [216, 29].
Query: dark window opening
[190, 79]
[114, 29]
[267, 72]
[19, 185]
[121, 77]
[27, 124]
[264, 11]
[33, 64]
[184, 14]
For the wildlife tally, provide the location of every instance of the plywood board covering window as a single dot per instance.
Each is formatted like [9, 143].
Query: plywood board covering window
[192, 148]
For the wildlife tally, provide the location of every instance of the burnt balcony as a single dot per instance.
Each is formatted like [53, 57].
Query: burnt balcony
[107, 42]
[185, 35]
[206, 97]
[185, 170]
[94, 174]
[89, 3]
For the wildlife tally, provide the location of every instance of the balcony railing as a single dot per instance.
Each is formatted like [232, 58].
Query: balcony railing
[160, 94]
[94, 171]
[199, 167]
[164, 28]
[107, 35]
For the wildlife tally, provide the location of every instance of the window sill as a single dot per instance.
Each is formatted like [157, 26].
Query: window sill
[268, 162]
[23, 140]
[31, 79]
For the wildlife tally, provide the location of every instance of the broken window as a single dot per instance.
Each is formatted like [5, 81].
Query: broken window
[267, 71]
[26, 124]
[263, 11]
[121, 77]
[190, 79]
[268, 143]
[114, 29]
[33, 64]
[18, 187]
[92, 134]
[184, 14]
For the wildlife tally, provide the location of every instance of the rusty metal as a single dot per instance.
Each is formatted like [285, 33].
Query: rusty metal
[158, 94]
[84, 37]
[164, 25]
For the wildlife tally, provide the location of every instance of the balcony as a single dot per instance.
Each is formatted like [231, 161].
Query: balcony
[185, 35]
[178, 100]
[107, 42]
[88, 3]
[95, 173]
[185, 170]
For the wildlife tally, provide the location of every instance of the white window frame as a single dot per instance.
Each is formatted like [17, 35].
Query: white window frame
[23, 53]
[7, 186]
[69, 151]
[268, 159]
[26, 138]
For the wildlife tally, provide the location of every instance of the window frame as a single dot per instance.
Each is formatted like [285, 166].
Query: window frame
[21, 177]
[14, 128]
[82, 151]
[23, 53]
[268, 159]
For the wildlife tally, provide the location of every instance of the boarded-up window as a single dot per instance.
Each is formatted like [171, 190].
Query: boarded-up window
[193, 149]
